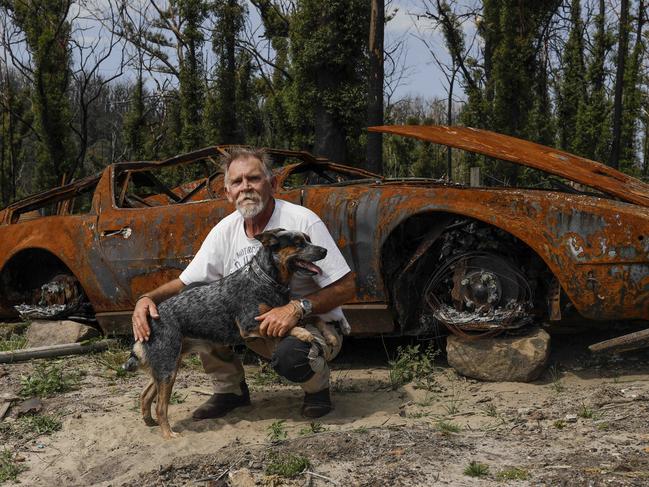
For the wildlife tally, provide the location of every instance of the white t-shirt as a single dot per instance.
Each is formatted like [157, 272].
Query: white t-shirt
[227, 248]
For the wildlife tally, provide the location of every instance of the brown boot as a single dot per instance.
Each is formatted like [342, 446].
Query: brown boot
[221, 404]
[317, 404]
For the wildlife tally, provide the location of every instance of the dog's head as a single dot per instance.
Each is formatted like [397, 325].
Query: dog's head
[292, 252]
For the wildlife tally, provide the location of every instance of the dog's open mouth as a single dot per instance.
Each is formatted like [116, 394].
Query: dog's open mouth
[307, 267]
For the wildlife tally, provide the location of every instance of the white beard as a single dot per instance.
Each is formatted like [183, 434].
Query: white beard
[249, 205]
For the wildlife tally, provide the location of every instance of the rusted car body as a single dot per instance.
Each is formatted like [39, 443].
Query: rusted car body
[424, 251]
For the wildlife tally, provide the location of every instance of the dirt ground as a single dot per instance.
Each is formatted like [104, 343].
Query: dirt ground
[586, 422]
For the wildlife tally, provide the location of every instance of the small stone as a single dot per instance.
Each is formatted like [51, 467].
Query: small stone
[570, 418]
[512, 359]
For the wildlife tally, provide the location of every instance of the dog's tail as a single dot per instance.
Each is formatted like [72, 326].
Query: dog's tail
[133, 363]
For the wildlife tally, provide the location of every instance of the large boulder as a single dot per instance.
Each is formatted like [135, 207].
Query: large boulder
[44, 333]
[506, 359]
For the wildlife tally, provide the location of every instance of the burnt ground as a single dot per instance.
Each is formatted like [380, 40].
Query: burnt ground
[585, 422]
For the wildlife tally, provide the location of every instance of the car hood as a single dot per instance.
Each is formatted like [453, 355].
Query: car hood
[525, 153]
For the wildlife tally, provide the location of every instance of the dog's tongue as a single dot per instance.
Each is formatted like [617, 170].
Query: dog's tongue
[309, 266]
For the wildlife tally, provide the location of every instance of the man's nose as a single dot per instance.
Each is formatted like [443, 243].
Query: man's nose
[246, 184]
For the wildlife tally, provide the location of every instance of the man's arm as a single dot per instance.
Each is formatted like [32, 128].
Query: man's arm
[279, 321]
[146, 306]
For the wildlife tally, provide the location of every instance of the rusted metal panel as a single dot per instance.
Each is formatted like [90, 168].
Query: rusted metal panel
[523, 152]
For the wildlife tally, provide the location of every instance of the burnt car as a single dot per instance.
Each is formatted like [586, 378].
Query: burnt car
[426, 252]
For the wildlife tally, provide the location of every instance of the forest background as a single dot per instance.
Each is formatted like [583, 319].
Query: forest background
[313, 74]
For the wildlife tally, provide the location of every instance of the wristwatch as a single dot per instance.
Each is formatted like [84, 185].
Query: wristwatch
[307, 307]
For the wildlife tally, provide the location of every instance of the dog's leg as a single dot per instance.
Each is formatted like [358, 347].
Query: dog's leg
[326, 332]
[164, 395]
[146, 399]
[301, 334]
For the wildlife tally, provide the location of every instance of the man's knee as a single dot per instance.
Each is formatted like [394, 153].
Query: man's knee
[291, 360]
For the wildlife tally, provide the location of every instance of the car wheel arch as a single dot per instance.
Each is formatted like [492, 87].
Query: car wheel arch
[29, 268]
[429, 227]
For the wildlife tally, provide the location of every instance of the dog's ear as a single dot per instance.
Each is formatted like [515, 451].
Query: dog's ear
[269, 238]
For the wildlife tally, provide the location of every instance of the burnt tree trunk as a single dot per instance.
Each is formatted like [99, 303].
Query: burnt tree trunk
[330, 139]
[623, 41]
[375, 88]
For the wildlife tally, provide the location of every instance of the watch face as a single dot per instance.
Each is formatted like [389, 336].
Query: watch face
[306, 306]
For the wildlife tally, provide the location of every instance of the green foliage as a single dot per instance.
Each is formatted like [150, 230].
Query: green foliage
[287, 465]
[14, 342]
[476, 469]
[134, 128]
[413, 365]
[47, 379]
[277, 431]
[40, 424]
[572, 91]
[585, 412]
[448, 427]
[113, 359]
[47, 34]
[177, 398]
[9, 468]
[559, 424]
[313, 428]
[513, 473]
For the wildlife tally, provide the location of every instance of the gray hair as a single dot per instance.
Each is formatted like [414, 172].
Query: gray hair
[236, 153]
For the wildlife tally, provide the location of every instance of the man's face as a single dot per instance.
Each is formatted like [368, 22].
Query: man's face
[248, 188]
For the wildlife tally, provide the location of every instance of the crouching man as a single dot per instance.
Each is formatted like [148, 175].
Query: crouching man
[250, 185]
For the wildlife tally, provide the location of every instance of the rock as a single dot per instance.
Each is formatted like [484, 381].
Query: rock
[44, 333]
[570, 418]
[30, 406]
[509, 359]
[241, 478]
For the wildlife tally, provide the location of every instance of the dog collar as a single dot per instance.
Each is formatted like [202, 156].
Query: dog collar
[261, 273]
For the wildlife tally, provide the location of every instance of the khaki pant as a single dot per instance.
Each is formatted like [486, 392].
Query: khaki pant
[227, 370]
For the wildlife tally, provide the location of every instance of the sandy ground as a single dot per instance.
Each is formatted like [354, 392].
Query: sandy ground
[584, 423]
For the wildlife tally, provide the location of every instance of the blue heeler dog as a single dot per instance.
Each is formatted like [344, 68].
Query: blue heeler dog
[222, 312]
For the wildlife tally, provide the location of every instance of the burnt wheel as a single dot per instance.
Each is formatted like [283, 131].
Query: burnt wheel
[479, 291]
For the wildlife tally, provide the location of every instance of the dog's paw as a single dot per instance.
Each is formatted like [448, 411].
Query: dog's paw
[169, 435]
[302, 334]
[150, 421]
[331, 340]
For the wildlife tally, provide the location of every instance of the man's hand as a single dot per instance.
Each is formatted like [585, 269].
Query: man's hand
[144, 308]
[279, 321]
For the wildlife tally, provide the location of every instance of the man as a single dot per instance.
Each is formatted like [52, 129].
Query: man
[250, 185]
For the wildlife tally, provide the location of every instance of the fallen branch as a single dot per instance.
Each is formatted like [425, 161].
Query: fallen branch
[54, 351]
[309, 472]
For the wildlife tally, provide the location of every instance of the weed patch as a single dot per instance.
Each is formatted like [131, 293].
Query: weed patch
[113, 359]
[9, 468]
[413, 365]
[177, 398]
[513, 473]
[476, 469]
[447, 427]
[559, 424]
[266, 376]
[48, 379]
[40, 424]
[555, 377]
[287, 465]
[585, 412]
[193, 361]
[312, 429]
[14, 342]
[277, 431]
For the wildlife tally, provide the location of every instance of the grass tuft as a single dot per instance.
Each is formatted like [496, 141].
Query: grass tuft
[277, 431]
[555, 377]
[287, 465]
[585, 412]
[193, 361]
[312, 429]
[14, 342]
[559, 424]
[41, 424]
[113, 359]
[9, 468]
[266, 376]
[476, 469]
[513, 473]
[413, 365]
[47, 379]
[447, 427]
[177, 398]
